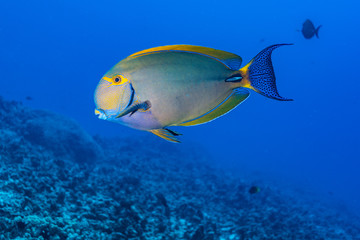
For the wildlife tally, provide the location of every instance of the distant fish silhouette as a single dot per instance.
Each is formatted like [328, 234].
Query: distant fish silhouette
[309, 30]
[254, 189]
[29, 98]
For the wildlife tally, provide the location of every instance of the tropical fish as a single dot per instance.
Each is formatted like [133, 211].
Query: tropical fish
[181, 85]
[254, 189]
[309, 30]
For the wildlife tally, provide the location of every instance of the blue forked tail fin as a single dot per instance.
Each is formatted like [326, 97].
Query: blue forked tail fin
[259, 74]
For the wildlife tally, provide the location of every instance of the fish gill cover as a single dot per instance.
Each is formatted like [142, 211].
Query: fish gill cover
[58, 182]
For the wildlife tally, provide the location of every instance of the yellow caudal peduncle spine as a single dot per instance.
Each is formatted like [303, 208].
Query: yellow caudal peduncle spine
[245, 82]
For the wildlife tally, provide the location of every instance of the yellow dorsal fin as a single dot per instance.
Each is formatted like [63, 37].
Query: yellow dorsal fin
[236, 97]
[166, 134]
[231, 60]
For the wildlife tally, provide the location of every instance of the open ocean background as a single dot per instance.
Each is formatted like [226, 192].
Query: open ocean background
[53, 53]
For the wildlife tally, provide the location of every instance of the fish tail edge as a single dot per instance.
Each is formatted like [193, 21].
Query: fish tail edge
[317, 31]
[259, 75]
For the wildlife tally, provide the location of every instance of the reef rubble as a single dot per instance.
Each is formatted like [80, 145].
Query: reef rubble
[58, 182]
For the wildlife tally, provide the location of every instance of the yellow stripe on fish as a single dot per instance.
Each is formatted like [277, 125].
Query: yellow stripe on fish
[219, 55]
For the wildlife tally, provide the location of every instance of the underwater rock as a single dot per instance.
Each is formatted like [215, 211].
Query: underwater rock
[20, 224]
[60, 198]
[199, 234]
[13, 148]
[190, 212]
[61, 135]
[161, 199]
[163, 202]
[23, 128]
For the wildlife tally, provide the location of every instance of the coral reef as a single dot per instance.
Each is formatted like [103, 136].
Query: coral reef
[58, 182]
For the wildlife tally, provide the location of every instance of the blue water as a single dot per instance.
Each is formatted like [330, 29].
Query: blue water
[53, 53]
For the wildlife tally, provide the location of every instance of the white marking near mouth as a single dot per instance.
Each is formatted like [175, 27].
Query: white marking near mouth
[101, 114]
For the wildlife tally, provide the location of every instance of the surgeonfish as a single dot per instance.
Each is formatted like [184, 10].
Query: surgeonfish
[181, 85]
[254, 189]
[309, 30]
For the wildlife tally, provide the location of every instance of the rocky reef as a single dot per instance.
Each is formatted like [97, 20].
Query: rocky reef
[58, 182]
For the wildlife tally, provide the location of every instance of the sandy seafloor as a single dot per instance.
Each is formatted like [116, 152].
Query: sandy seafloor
[58, 182]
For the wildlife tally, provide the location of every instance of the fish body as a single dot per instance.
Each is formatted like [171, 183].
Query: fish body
[308, 30]
[180, 85]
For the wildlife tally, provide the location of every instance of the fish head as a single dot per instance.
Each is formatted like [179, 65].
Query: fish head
[113, 95]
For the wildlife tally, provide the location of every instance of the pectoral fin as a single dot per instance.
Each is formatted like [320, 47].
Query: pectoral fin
[166, 134]
[133, 109]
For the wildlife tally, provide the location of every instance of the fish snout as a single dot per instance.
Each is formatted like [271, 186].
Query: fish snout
[101, 114]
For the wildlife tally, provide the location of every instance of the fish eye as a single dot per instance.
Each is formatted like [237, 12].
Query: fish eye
[117, 79]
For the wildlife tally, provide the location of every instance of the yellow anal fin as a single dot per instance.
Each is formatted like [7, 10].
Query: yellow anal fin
[232, 60]
[166, 134]
[236, 97]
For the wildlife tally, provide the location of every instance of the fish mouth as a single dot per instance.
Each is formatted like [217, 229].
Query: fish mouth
[101, 114]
